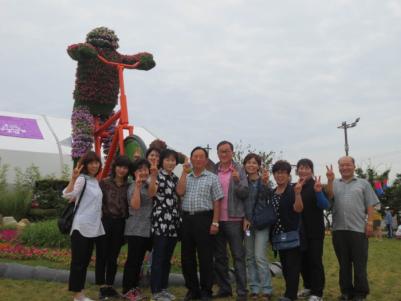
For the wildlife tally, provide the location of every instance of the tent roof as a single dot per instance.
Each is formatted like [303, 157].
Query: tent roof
[52, 129]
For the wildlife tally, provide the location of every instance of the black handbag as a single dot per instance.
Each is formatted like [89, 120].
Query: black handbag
[263, 213]
[64, 222]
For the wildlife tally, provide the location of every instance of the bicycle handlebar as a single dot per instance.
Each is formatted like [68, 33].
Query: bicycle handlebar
[128, 66]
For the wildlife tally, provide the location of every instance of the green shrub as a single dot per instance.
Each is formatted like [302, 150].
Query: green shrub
[8, 227]
[16, 202]
[44, 234]
[47, 194]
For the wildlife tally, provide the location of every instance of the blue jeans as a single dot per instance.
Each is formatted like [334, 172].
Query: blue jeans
[389, 230]
[259, 277]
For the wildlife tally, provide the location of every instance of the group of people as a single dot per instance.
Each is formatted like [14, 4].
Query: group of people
[210, 208]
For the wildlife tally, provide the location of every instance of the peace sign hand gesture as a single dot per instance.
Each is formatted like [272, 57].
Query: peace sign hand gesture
[153, 169]
[330, 173]
[235, 174]
[298, 186]
[318, 187]
[186, 166]
[76, 171]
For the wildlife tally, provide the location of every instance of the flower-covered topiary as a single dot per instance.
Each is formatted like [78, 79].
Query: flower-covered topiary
[96, 85]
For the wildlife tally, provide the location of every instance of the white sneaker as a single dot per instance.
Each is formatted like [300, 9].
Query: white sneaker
[305, 293]
[83, 299]
[159, 297]
[315, 298]
[167, 294]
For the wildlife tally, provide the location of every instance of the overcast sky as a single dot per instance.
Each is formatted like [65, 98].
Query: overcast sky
[279, 75]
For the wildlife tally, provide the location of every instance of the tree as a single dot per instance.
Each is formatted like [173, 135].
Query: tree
[241, 150]
[392, 194]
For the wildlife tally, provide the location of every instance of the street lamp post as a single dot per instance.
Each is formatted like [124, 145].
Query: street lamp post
[344, 125]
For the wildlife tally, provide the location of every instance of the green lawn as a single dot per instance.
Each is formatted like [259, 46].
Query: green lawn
[384, 277]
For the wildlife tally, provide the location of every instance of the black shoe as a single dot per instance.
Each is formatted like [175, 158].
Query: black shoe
[345, 297]
[111, 292]
[103, 293]
[359, 298]
[242, 298]
[191, 296]
[222, 295]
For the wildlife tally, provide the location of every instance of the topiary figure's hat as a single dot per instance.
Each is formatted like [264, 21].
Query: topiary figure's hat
[102, 37]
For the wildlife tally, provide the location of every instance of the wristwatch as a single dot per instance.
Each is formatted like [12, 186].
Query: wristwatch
[216, 224]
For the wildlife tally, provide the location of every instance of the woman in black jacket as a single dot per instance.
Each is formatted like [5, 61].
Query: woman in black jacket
[313, 224]
[287, 201]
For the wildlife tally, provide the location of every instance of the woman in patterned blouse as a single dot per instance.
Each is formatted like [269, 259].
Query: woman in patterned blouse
[166, 220]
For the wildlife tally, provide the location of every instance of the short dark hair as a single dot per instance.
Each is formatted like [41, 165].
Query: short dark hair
[282, 165]
[89, 157]
[151, 149]
[225, 142]
[201, 148]
[305, 162]
[121, 161]
[167, 153]
[253, 156]
[138, 164]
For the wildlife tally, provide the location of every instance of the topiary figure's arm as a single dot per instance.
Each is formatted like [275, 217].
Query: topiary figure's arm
[81, 51]
[145, 58]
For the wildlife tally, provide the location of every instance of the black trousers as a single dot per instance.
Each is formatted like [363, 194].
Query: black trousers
[312, 267]
[163, 248]
[81, 253]
[352, 253]
[291, 266]
[108, 248]
[137, 247]
[196, 241]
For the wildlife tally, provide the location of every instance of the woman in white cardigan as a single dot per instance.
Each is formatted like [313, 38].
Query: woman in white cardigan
[87, 223]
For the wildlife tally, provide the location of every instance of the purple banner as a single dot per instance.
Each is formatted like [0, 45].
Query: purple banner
[19, 127]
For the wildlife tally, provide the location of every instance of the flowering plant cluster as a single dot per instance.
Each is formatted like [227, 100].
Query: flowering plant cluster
[82, 131]
[96, 84]
[8, 235]
[21, 252]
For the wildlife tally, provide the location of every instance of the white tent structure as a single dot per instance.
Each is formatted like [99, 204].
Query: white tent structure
[41, 140]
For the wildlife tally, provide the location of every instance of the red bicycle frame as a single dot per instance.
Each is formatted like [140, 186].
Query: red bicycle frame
[120, 116]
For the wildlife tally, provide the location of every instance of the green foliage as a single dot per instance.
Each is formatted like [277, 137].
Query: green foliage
[16, 199]
[8, 227]
[47, 194]
[371, 174]
[65, 173]
[15, 202]
[44, 234]
[3, 176]
[27, 178]
[241, 150]
[392, 195]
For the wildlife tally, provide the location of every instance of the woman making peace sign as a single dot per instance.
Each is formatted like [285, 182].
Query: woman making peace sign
[87, 223]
